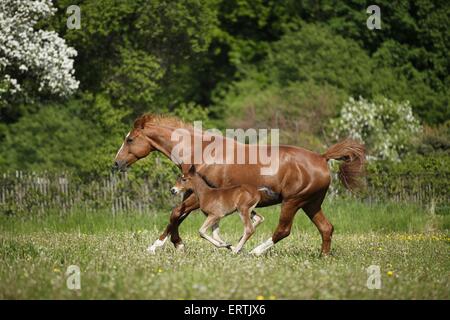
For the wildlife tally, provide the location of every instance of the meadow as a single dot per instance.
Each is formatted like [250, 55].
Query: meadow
[408, 243]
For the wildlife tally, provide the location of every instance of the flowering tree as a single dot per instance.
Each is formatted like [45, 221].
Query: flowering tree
[386, 127]
[24, 50]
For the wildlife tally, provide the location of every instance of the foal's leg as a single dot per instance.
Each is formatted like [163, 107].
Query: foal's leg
[288, 210]
[249, 229]
[179, 213]
[256, 219]
[209, 222]
[216, 235]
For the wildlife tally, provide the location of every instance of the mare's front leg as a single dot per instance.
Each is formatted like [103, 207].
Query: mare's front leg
[179, 213]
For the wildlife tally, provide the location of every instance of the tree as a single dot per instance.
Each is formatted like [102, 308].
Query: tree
[27, 52]
[143, 54]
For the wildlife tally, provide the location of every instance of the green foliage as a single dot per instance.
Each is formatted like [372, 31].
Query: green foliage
[300, 110]
[426, 176]
[190, 112]
[316, 54]
[434, 165]
[52, 139]
[78, 136]
[435, 140]
[141, 72]
[286, 64]
[413, 44]
[140, 53]
[431, 104]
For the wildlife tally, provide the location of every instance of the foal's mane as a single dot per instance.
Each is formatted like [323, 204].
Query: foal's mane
[160, 120]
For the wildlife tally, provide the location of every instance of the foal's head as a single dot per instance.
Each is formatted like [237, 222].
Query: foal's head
[185, 182]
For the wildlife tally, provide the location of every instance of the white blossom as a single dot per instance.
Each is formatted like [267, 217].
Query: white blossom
[386, 127]
[23, 49]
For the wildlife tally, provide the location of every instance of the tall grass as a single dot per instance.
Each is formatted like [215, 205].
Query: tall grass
[409, 244]
[347, 216]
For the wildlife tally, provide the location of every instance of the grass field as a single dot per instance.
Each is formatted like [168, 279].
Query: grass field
[410, 245]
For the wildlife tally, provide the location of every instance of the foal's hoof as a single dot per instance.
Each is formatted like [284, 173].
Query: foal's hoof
[233, 250]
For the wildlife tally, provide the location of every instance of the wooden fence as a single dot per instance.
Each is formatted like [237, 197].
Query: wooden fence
[40, 193]
[32, 192]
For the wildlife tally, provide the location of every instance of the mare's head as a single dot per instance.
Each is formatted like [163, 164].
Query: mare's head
[139, 142]
[135, 146]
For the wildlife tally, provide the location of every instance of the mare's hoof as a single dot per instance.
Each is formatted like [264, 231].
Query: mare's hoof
[255, 252]
[180, 247]
[151, 250]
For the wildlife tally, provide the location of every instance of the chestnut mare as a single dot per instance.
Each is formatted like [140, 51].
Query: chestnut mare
[301, 181]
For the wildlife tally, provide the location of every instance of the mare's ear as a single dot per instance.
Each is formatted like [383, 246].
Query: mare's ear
[192, 169]
[139, 123]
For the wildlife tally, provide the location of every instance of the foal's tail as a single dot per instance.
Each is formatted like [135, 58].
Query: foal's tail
[352, 154]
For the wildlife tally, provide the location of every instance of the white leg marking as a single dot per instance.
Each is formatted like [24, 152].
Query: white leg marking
[262, 247]
[180, 247]
[158, 243]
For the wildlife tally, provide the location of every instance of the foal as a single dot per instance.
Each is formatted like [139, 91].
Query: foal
[217, 203]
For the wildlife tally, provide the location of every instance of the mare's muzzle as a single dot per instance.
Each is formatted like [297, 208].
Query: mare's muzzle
[119, 165]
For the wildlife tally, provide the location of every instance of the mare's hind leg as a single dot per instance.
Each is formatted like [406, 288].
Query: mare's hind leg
[314, 211]
[209, 222]
[288, 210]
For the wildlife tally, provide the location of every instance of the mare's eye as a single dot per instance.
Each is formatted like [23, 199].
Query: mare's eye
[183, 179]
[129, 140]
